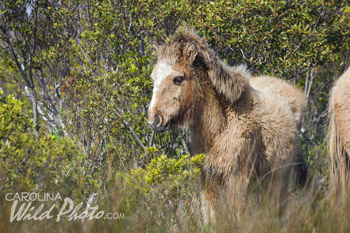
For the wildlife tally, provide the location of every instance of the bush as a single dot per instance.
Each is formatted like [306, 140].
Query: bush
[169, 173]
[31, 160]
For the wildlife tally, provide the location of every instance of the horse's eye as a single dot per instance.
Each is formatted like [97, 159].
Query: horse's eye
[178, 80]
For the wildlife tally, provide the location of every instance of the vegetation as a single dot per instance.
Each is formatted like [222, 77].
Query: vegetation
[75, 90]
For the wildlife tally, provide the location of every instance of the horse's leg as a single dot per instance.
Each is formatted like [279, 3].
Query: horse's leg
[236, 194]
[208, 197]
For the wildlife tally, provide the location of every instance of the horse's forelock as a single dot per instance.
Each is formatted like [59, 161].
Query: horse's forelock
[175, 49]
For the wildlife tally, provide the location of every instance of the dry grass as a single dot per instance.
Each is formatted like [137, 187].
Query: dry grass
[313, 209]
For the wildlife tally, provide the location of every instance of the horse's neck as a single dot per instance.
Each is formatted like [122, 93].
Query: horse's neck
[208, 122]
[211, 109]
[211, 119]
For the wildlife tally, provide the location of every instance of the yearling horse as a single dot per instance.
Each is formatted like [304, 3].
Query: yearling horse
[249, 135]
[339, 130]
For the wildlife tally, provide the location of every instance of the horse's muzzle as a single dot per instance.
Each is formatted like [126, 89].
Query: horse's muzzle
[157, 124]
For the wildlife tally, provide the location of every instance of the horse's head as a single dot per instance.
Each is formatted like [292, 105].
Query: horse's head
[173, 91]
[186, 64]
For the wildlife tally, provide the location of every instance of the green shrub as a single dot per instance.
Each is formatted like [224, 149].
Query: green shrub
[169, 173]
[28, 159]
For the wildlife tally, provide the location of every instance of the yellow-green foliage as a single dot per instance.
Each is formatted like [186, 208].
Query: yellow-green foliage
[29, 159]
[169, 172]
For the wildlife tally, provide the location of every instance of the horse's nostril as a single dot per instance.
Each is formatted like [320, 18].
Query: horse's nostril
[158, 121]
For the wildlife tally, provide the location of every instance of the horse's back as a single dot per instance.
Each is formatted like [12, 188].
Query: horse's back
[284, 92]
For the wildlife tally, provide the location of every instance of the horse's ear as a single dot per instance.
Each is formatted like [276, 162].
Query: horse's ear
[190, 52]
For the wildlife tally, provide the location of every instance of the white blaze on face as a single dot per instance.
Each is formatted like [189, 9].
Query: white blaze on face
[159, 74]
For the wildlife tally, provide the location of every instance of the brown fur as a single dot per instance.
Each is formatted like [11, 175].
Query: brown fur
[248, 135]
[283, 90]
[339, 130]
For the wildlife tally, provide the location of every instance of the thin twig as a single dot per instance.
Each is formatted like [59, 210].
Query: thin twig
[132, 131]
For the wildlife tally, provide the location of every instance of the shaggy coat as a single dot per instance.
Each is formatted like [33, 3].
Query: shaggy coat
[339, 129]
[249, 135]
[283, 90]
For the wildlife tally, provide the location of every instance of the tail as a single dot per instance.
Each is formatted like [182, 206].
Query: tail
[339, 157]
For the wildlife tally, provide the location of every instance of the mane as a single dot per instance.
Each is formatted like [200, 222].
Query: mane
[230, 82]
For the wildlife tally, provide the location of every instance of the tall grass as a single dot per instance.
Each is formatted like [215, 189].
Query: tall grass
[315, 208]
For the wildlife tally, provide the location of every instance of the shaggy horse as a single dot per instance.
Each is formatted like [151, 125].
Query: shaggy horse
[249, 135]
[339, 129]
